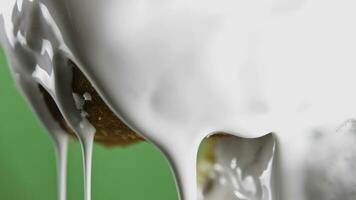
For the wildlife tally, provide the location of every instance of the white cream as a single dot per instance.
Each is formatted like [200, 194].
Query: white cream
[176, 71]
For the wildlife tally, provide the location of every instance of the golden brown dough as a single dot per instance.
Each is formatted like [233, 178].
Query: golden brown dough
[110, 130]
[206, 158]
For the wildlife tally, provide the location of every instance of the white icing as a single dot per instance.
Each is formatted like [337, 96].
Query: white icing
[61, 155]
[178, 70]
[23, 30]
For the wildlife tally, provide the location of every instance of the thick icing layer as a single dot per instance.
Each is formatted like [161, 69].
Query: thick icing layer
[177, 71]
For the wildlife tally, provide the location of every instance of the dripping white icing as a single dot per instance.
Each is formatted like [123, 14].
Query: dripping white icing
[61, 155]
[87, 146]
[33, 35]
[178, 70]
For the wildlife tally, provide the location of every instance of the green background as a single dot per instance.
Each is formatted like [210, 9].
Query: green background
[27, 161]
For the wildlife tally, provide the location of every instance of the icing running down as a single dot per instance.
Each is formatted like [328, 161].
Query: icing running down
[176, 71]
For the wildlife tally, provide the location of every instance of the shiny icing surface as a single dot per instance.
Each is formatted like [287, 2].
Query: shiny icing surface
[176, 71]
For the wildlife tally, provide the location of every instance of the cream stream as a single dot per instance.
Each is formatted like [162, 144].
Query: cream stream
[178, 70]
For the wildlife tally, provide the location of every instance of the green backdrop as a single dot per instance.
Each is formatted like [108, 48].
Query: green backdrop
[27, 162]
